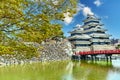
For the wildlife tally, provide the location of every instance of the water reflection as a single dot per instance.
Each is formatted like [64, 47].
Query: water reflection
[116, 63]
[63, 70]
[68, 72]
[100, 70]
[113, 75]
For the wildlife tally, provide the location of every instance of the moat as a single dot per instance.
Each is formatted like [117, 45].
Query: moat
[63, 70]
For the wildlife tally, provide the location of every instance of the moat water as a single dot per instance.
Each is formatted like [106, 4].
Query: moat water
[63, 70]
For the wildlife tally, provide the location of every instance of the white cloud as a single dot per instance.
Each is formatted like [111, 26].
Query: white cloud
[67, 18]
[86, 11]
[105, 17]
[97, 3]
[81, 7]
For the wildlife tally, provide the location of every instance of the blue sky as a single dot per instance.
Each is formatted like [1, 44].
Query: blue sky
[107, 10]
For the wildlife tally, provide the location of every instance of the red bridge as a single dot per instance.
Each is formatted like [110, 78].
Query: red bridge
[84, 54]
[116, 51]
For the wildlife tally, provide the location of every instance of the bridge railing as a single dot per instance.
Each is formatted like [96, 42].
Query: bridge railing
[116, 51]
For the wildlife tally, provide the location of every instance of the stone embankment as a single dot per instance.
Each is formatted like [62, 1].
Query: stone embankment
[52, 51]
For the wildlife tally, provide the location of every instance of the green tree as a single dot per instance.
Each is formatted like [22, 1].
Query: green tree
[118, 46]
[31, 21]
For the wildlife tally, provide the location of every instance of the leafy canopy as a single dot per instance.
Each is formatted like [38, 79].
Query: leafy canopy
[31, 21]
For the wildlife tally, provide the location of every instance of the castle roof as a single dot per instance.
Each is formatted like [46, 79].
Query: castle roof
[99, 35]
[83, 36]
[91, 17]
[100, 40]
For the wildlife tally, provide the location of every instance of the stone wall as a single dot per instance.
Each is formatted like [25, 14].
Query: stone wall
[51, 51]
[55, 51]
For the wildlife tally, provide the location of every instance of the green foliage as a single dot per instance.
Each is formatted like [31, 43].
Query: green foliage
[26, 51]
[19, 49]
[6, 50]
[31, 21]
[118, 46]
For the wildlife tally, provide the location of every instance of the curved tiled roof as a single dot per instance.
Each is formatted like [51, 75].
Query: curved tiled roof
[83, 36]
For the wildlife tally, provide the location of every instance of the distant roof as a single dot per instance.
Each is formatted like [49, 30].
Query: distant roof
[91, 17]
[77, 29]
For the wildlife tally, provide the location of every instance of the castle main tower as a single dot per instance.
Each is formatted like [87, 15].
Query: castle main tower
[90, 36]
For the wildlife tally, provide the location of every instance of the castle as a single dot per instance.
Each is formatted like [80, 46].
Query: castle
[90, 36]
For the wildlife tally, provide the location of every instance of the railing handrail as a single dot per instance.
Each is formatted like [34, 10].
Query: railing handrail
[116, 51]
